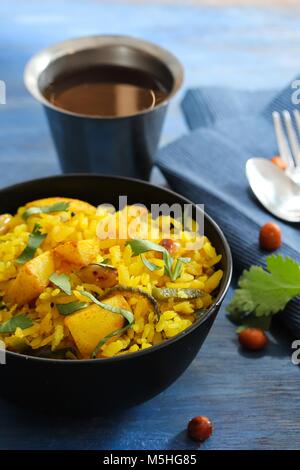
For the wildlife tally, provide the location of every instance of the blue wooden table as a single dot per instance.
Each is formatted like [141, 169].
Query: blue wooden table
[253, 399]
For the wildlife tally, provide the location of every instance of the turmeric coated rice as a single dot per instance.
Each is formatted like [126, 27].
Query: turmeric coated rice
[67, 292]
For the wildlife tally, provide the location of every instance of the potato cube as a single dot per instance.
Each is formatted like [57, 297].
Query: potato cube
[79, 253]
[31, 280]
[93, 323]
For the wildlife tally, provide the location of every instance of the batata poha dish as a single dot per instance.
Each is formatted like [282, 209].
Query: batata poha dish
[68, 293]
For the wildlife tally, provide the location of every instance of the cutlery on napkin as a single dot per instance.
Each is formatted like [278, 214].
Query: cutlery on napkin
[208, 166]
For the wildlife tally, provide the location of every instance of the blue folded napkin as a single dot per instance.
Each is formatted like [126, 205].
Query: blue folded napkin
[208, 166]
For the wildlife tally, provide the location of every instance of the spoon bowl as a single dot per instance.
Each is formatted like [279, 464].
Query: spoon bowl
[274, 189]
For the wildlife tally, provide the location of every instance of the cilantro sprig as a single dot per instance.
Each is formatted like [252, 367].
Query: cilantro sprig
[263, 293]
[142, 246]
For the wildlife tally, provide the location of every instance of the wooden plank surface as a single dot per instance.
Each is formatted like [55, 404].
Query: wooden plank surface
[253, 400]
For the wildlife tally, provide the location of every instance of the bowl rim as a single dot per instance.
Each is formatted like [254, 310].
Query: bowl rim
[39, 62]
[132, 355]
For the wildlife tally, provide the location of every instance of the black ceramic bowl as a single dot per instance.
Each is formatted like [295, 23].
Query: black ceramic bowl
[101, 384]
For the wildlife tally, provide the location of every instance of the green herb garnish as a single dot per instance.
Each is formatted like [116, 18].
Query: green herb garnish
[178, 267]
[19, 321]
[149, 265]
[142, 246]
[62, 281]
[264, 293]
[34, 241]
[56, 207]
[168, 260]
[71, 307]
[107, 337]
[121, 311]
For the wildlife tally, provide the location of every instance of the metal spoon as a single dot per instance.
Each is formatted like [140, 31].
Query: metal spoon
[274, 189]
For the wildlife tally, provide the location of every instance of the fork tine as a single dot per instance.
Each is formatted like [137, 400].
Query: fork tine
[297, 120]
[292, 136]
[283, 146]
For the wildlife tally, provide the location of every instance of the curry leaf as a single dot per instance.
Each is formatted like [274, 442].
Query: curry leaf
[62, 281]
[19, 321]
[56, 207]
[34, 241]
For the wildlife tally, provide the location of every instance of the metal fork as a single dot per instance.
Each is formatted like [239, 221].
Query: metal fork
[288, 139]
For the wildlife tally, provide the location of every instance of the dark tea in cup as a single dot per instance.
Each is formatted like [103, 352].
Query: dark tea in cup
[106, 90]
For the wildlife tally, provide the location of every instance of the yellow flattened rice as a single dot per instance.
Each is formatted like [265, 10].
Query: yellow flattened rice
[68, 293]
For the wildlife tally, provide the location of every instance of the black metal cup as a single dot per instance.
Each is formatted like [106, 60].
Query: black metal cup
[110, 145]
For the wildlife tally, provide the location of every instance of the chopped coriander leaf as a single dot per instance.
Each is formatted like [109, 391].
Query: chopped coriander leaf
[62, 281]
[35, 239]
[71, 307]
[142, 246]
[19, 321]
[264, 293]
[56, 207]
